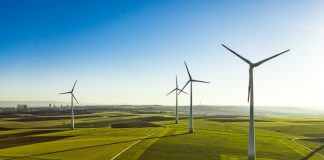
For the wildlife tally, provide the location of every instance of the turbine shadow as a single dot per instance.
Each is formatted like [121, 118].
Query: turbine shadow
[312, 153]
[97, 146]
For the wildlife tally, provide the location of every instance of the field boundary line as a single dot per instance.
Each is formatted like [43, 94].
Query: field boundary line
[124, 150]
[294, 140]
[296, 149]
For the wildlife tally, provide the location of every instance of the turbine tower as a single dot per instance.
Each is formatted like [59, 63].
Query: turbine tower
[176, 90]
[191, 130]
[72, 97]
[251, 149]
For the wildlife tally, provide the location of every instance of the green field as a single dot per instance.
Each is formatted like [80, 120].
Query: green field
[126, 135]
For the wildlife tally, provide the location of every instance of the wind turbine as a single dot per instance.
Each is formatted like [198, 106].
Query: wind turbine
[251, 149]
[72, 97]
[176, 90]
[191, 130]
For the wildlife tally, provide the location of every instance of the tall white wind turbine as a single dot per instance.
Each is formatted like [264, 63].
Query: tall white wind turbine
[191, 129]
[176, 90]
[72, 97]
[251, 149]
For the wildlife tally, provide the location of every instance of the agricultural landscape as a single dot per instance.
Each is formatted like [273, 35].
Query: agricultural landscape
[104, 132]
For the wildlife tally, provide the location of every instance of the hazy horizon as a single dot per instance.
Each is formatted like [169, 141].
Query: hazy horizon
[35, 103]
[130, 52]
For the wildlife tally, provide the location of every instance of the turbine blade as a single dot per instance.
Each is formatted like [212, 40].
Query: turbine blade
[200, 81]
[65, 93]
[176, 81]
[182, 91]
[267, 59]
[170, 92]
[184, 87]
[74, 98]
[244, 59]
[74, 86]
[187, 70]
[249, 89]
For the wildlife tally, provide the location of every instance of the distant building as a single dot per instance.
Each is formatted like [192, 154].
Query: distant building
[22, 108]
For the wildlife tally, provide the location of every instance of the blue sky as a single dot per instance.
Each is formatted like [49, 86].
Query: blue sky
[128, 52]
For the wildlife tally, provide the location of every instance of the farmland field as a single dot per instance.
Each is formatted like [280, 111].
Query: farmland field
[121, 135]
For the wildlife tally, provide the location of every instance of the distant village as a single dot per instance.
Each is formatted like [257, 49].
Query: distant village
[24, 108]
